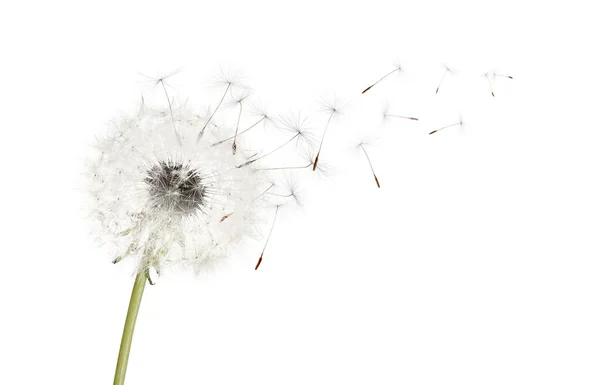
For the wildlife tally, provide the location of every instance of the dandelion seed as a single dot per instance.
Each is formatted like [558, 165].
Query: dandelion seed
[397, 69]
[228, 81]
[268, 238]
[291, 191]
[298, 124]
[264, 117]
[295, 124]
[459, 123]
[239, 101]
[446, 71]
[270, 152]
[387, 114]
[492, 75]
[334, 110]
[161, 80]
[264, 192]
[489, 80]
[286, 167]
[361, 145]
[308, 156]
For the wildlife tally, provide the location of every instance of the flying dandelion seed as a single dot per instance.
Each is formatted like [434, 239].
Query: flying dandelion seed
[308, 156]
[491, 76]
[333, 109]
[301, 135]
[489, 81]
[268, 238]
[239, 101]
[386, 114]
[264, 118]
[460, 124]
[161, 80]
[447, 70]
[361, 145]
[503, 76]
[229, 81]
[397, 69]
[289, 194]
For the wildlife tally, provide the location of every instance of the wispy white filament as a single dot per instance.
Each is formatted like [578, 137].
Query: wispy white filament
[193, 213]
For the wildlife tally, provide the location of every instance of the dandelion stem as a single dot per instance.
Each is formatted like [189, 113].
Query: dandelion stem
[132, 312]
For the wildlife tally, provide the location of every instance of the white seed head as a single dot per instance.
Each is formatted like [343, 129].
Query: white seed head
[160, 196]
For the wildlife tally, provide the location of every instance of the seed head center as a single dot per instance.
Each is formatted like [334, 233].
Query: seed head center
[175, 188]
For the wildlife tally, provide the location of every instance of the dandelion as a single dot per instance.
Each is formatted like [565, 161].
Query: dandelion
[163, 193]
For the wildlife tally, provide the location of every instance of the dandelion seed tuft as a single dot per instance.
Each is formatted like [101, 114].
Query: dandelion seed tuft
[161, 198]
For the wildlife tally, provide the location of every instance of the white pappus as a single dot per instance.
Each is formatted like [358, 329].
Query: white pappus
[163, 197]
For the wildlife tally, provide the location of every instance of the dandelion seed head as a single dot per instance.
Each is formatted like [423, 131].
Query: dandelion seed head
[159, 196]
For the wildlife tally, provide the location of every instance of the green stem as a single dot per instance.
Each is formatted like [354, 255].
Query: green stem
[132, 312]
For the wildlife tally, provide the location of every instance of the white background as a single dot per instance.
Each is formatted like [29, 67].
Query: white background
[475, 263]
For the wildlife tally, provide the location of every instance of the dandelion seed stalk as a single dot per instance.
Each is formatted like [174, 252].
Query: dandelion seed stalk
[132, 312]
